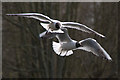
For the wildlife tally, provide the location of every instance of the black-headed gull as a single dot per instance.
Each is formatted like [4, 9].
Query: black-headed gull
[52, 25]
[66, 45]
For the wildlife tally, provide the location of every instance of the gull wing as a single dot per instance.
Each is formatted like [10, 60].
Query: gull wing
[81, 27]
[62, 37]
[45, 25]
[56, 31]
[37, 16]
[48, 35]
[93, 46]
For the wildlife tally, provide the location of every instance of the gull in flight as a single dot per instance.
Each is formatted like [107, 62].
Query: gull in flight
[54, 26]
[66, 45]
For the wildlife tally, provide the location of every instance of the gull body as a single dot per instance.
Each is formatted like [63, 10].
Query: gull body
[66, 45]
[52, 25]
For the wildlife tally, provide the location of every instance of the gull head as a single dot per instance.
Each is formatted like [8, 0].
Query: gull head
[78, 44]
[55, 25]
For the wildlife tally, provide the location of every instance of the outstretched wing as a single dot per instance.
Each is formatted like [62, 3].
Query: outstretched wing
[93, 46]
[47, 34]
[40, 17]
[81, 27]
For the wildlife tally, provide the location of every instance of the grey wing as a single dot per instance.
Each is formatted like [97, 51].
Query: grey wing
[62, 37]
[81, 27]
[37, 16]
[93, 46]
[48, 35]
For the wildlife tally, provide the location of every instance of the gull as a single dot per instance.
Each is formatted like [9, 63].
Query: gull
[66, 45]
[55, 26]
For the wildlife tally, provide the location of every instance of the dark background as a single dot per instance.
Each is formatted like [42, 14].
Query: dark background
[27, 56]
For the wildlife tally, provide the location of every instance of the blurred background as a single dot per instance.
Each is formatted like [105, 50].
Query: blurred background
[25, 55]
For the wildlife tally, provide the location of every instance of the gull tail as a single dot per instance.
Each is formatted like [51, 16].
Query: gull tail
[59, 51]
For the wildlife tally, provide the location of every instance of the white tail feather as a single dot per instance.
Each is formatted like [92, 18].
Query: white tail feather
[66, 53]
[63, 53]
[56, 47]
[69, 52]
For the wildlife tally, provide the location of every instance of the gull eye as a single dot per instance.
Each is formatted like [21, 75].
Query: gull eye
[57, 25]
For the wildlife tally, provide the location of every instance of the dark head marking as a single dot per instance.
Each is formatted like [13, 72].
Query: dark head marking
[57, 25]
[77, 44]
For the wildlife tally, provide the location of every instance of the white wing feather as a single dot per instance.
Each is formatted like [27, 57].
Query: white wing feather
[56, 47]
[81, 27]
[37, 16]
